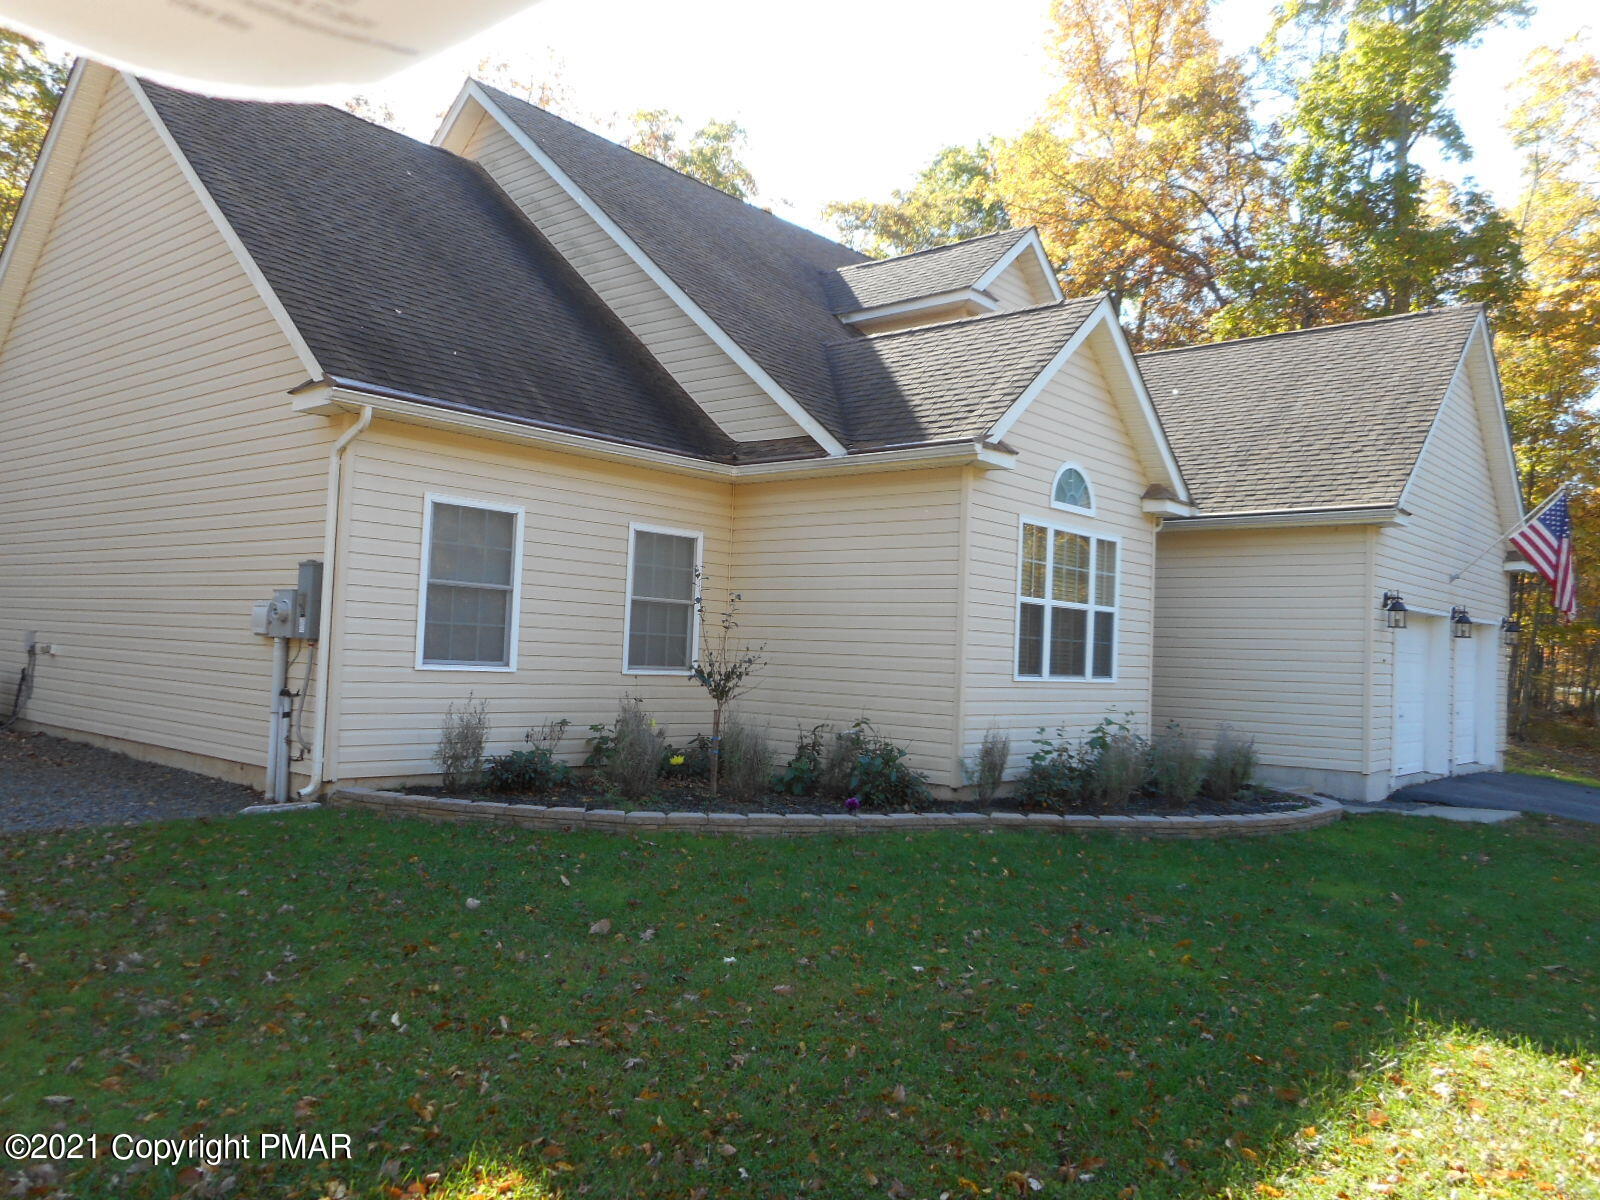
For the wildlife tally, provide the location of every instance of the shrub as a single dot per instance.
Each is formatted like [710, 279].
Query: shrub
[1177, 767]
[860, 764]
[527, 771]
[547, 735]
[988, 770]
[631, 763]
[1232, 765]
[746, 760]
[1053, 778]
[459, 754]
[691, 761]
[1115, 769]
[802, 773]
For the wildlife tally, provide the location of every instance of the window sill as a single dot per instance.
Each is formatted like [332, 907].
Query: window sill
[503, 668]
[677, 672]
[1015, 678]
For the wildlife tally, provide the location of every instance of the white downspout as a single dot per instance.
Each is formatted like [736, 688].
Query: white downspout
[330, 560]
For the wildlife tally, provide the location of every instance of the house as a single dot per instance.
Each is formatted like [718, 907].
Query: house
[517, 391]
[1331, 469]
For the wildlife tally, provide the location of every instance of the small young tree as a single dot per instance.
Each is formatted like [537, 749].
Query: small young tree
[725, 665]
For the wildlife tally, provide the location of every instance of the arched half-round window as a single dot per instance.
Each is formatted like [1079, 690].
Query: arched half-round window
[1072, 490]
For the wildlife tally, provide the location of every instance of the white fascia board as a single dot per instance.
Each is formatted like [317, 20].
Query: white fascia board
[241, 254]
[921, 304]
[660, 278]
[47, 184]
[441, 136]
[1029, 242]
[1292, 519]
[1103, 314]
[1167, 508]
[329, 398]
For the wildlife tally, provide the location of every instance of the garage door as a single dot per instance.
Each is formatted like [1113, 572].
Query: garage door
[1466, 689]
[1410, 699]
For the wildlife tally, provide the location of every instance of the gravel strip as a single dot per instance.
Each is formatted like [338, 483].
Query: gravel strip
[50, 783]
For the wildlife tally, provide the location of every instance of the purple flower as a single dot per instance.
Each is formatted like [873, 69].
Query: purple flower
[852, 804]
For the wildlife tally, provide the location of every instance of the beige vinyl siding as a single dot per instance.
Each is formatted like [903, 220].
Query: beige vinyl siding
[1454, 515]
[153, 479]
[1073, 419]
[1265, 630]
[732, 399]
[572, 594]
[1021, 284]
[853, 584]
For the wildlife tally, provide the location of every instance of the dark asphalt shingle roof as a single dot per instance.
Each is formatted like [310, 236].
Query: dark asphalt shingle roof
[760, 278]
[1333, 417]
[404, 266]
[952, 381]
[925, 273]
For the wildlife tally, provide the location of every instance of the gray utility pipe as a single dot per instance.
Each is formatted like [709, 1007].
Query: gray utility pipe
[277, 786]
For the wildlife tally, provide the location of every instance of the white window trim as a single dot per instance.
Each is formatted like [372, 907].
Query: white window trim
[428, 501]
[1087, 482]
[1055, 525]
[627, 600]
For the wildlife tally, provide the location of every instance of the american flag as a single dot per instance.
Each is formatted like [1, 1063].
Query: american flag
[1546, 542]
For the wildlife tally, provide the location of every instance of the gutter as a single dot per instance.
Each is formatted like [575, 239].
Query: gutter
[1292, 518]
[330, 559]
[331, 396]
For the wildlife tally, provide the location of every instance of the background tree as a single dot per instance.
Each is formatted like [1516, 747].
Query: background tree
[1549, 352]
[714, 154]
[952, 199]
[31, 82]
[1146, 175]
[1366, 231]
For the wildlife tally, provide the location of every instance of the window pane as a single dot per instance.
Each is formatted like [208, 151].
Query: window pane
[467, 625]
[1068, 627]
[658, 635]
[663, 566]
[1072, 488]
[1071, 577]
[472, 545]
[1105, 574]
[1030, 640]
[1105, 639]
[1034, 550]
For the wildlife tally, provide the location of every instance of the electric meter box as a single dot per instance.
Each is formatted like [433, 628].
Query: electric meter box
[308, 602]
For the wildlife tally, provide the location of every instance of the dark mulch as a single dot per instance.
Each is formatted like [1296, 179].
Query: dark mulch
[51, 783]
[695, 796]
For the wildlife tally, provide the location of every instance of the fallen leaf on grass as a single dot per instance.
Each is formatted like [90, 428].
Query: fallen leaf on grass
[602, 926]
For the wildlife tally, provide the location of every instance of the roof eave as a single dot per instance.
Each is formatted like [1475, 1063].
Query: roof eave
[1291, 518]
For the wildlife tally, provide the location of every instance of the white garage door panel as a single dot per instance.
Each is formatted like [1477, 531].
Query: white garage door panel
[1466, 691]
[1410, 699]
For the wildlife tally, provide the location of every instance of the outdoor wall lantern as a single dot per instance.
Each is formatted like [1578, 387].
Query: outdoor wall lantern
[1510, 631]
[1394, 610]
[1460, 623]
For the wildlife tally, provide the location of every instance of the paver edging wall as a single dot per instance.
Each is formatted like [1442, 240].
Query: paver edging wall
[1319, 811]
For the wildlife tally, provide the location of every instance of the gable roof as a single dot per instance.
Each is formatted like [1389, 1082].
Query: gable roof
[954, 380]
[404, 267]
[930, 272]
[759, 277]
[1326, 418]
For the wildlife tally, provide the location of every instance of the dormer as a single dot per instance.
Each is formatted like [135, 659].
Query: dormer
[995, 273]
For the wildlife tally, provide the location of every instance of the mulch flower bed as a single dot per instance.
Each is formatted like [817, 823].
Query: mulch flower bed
[695, 796]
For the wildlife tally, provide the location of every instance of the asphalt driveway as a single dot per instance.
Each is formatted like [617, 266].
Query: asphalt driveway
[1502, 789]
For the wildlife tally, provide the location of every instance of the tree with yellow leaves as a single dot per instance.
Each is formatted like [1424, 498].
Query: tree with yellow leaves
[1145, 175]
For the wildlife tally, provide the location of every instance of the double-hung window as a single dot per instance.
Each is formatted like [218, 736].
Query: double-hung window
[660, 634]
[1066, 605]
[471, 564]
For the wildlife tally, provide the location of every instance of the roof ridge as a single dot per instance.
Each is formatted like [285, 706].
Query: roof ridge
[1434, 311]
[883, 262]
[729, 196]
[988, 316]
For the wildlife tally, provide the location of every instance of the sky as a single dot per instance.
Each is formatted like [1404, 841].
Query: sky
[845, 99]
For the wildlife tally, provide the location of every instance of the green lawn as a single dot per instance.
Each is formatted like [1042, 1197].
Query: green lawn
[1384, 1007]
